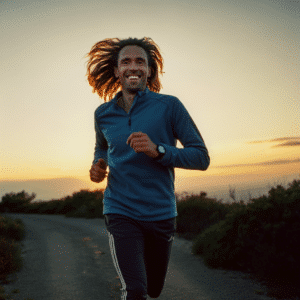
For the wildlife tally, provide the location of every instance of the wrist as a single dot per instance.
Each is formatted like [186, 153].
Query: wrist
[160, 150]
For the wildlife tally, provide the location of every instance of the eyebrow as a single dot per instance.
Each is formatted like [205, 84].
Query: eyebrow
[128, 58]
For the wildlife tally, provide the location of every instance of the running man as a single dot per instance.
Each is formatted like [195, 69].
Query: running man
[136, 135]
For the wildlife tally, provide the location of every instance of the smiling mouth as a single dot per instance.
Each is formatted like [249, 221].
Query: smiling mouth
[133, 77]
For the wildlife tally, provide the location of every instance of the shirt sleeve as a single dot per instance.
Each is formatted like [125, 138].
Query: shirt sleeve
[194, 155]
[101, 145]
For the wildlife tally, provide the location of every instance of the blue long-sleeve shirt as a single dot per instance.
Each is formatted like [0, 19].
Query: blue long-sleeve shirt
[139, 186]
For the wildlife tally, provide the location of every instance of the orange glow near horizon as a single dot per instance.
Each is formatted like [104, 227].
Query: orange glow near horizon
[243, 158]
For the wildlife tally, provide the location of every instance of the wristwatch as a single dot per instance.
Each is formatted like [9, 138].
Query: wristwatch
[161, 152]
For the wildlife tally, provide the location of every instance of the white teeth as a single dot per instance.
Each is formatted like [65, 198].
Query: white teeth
[133, 77]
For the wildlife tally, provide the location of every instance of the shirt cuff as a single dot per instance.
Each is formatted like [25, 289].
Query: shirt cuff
[167, 157]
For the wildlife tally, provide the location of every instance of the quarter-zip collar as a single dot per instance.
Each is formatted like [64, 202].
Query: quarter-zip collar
[139, 94]
[142, 93]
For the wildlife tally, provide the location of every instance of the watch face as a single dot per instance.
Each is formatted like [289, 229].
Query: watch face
[161, 149]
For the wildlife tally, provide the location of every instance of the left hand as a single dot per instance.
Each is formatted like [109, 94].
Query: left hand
[140, 142]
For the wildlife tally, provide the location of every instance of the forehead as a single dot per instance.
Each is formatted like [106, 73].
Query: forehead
[132, 52]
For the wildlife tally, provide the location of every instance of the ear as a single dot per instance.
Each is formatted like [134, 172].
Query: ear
[149, 72]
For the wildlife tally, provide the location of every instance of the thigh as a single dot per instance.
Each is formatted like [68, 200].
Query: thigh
[127, 249]
[158, 246]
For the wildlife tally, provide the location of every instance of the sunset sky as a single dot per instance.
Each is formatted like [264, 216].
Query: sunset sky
[234, 65]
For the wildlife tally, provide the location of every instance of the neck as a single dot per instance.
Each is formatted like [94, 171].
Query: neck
[126, 101]
[128, 97]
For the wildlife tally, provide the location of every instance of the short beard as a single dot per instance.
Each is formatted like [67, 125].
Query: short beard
[133, 90]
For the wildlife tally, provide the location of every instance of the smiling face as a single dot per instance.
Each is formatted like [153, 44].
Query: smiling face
[133, 69]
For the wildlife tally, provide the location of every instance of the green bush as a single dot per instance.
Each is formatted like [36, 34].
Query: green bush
[16, 202]
[261, 236]
[10, 257]
[197, 212]
[48, 207]
[11, 231]
[219, 244]
[32, 208]
[86, 204]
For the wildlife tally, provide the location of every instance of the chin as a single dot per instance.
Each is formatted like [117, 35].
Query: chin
[134, 90]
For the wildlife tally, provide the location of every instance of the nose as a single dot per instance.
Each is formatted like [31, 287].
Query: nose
[133, 66]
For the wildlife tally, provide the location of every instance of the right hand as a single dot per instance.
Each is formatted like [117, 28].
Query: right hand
[98, 171]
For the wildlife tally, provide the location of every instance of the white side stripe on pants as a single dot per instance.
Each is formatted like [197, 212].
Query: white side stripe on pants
[115, 261]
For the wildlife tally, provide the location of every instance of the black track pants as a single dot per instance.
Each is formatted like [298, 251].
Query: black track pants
[140, 251]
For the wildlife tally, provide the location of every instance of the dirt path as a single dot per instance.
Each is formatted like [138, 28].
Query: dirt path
[69, 259]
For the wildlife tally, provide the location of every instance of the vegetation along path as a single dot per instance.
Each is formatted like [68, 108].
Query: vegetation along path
[69, 259]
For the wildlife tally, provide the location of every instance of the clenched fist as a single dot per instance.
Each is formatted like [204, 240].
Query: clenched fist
[140, 142]
[98, 171]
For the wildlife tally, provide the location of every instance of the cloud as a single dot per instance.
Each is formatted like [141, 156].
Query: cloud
[268, 163]
[290, 144]
[281, 142]
[295, 139]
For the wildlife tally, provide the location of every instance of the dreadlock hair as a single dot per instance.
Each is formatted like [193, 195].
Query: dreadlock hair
[103, 58]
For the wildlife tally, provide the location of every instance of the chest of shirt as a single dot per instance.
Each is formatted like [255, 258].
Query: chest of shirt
[150, 118]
